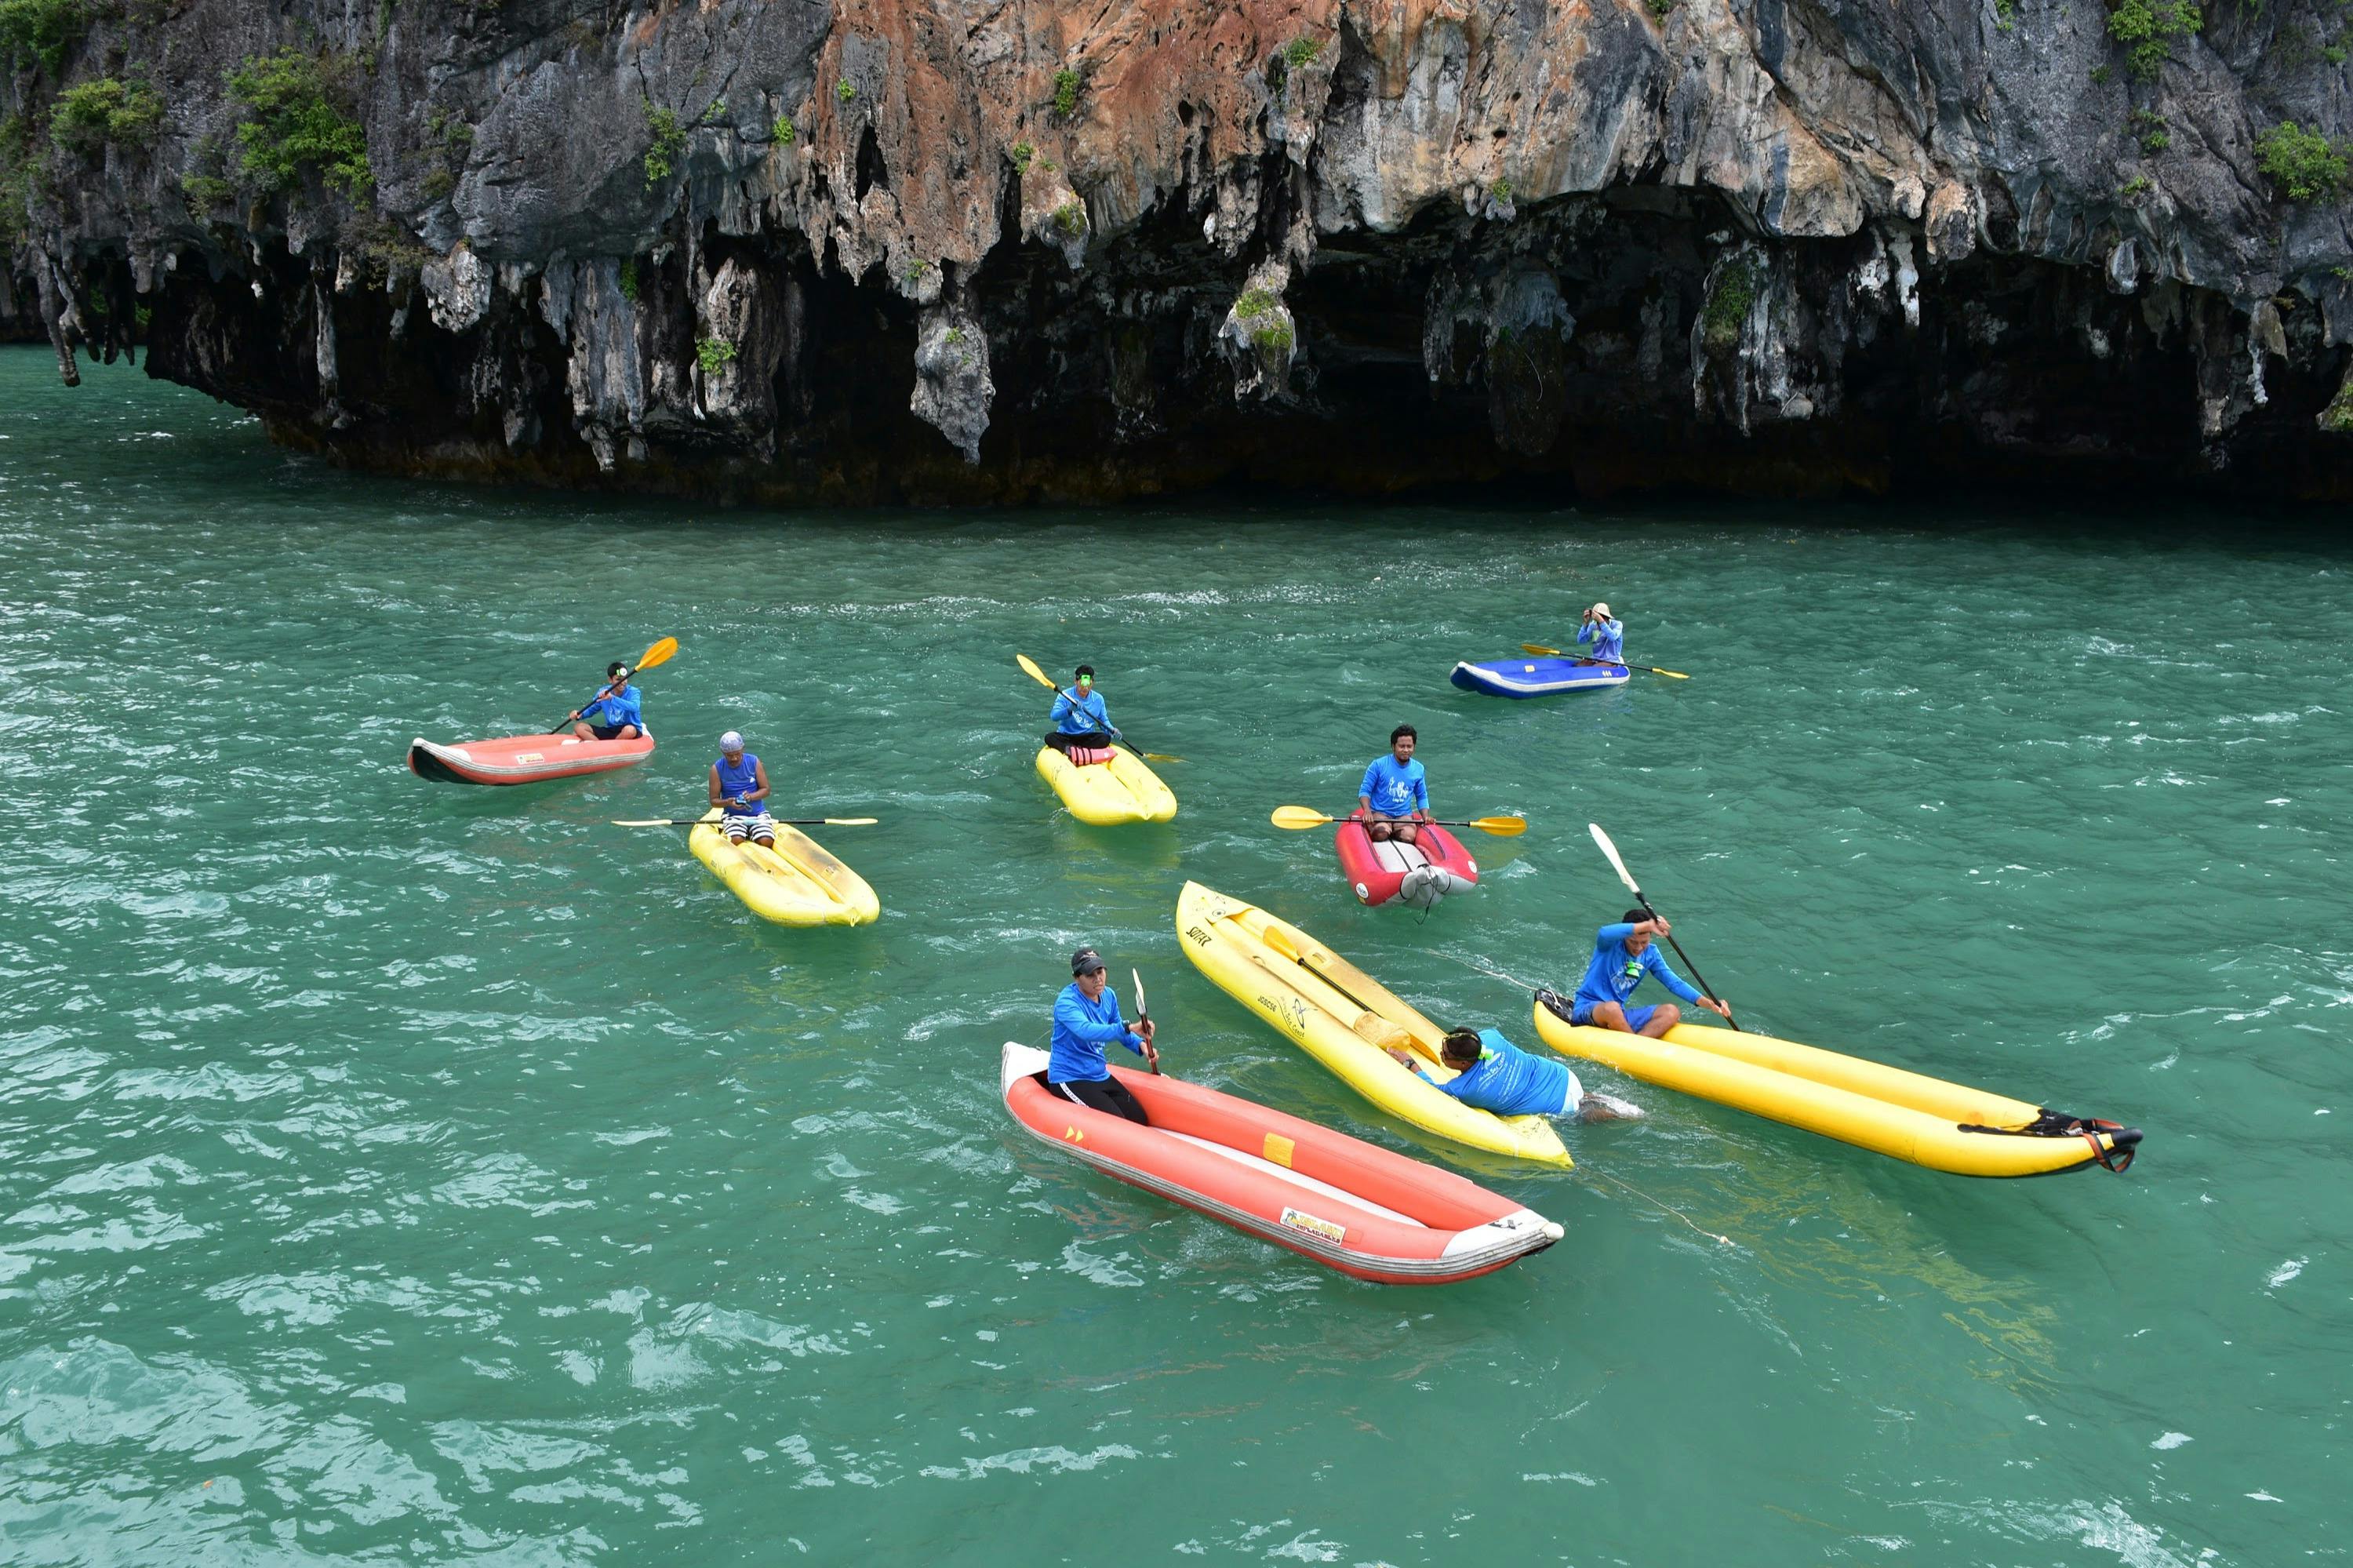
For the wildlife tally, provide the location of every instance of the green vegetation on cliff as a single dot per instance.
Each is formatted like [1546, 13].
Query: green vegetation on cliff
[295, 121]
[40, 32]
[91, 115]
[668, 142]
[15, 180]
[2303, 165]
[1728, 307]
[2148, 28]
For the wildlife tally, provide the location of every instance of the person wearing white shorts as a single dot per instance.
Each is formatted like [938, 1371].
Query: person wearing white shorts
[738, 786]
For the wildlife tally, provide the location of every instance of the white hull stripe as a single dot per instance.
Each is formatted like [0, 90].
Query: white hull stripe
[1433, 1269]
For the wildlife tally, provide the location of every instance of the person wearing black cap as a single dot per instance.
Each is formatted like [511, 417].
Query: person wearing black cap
[616, 713]
[1081, 718]
[1086, 1020]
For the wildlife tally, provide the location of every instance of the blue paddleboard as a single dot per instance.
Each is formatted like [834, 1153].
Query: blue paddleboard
[1534, 677]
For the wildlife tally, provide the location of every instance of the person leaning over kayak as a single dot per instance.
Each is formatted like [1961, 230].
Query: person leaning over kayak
[615, 715]
[1395, 795]
[1081, 717]
[1622, 955]
[739, 787]
[1490, 1074]
[1086, 1020]
[1608, 636]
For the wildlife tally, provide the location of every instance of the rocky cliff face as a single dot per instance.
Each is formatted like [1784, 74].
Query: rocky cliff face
[1001, 249]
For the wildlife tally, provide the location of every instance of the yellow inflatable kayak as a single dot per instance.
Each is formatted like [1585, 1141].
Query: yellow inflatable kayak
[796, 884]
[1944, 1127]
[1343, 1018]
[1108, 793]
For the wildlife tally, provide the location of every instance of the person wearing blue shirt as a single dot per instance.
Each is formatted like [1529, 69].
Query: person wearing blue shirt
[1395, 795]
[1608, 636]
[615, 715]
[1622, 955]
[1081, 717]
[1490, 1074]
[1087, 1021]
[739, 787]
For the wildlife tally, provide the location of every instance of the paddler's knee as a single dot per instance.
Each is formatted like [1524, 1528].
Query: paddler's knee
[1663, 1018]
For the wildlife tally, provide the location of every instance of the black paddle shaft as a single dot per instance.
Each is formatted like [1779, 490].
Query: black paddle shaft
[584, 708]
[1686, 958]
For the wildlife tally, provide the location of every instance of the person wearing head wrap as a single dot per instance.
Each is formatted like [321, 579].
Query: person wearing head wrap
[1086, 1023]
[739, 787]
[1607, 635]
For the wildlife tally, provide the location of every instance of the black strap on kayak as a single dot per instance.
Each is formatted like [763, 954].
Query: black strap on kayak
[2117, 1154]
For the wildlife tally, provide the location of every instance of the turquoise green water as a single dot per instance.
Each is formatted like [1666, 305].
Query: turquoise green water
[392, 1171]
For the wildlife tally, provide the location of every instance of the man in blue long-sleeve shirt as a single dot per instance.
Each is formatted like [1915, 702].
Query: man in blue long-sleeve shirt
[1622, 955]
[1081, 717]
[1086, 1022]
[1607, 635]
[616, 713]
[1490, 1074]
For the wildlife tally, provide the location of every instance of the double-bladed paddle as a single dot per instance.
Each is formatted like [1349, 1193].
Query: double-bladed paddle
[1542, 651]
[658, 655]
[1030, 667]
[1618, 864]
[1298, 817]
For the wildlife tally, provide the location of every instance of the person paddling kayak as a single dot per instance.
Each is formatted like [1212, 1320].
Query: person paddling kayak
[739, 787]
[615, 715]
[1395, 795]
[1607, 635]
[1081, 717]
[1086, 1020]
[1490, 1074]
[1622, 955]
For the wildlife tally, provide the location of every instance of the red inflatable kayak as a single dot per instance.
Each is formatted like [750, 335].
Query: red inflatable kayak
[1423, 871]
[1359, 1209]
[524, 758]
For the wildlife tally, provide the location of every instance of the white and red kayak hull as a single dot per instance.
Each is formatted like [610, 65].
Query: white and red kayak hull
[1349, 1205]
[524, 758]
[1422, 873]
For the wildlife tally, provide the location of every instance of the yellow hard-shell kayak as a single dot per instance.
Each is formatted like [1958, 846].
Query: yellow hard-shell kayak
[1305, 989]
[796, 884]
[1108, 793]
[1944, 1127]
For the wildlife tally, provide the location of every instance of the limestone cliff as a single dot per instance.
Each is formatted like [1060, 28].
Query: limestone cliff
[1002, 249]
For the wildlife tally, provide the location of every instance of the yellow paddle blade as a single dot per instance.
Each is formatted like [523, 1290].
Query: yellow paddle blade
[1539, 650]
[1030, 666]
[1502, 827]
[849, 822]
[1671, 674]
[1296, 817]
[1158, 757]
[658, 655]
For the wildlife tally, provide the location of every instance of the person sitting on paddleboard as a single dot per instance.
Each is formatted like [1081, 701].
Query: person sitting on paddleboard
[1608, 636]
[1490, 1074]
[613, 715]
[1081, 717]
[739, 786]
[1622, 955]
[1086, 1020]
[1395, 795]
